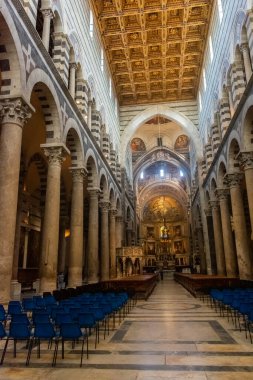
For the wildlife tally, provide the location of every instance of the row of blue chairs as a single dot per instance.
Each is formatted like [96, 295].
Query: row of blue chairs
[235, 304]
[39, 318]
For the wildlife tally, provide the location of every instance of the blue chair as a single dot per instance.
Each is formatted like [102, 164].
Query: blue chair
[14, 308]
[20, 318]
[18, 331]
[88, 322]
[42, 331]
[69, 332]
[2, 314]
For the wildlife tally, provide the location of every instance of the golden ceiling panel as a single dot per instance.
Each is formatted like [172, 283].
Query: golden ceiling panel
[154, 47]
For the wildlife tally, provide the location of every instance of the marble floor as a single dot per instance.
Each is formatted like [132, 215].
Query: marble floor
[172, 336]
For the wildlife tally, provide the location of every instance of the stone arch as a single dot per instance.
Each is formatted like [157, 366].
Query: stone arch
[73, 141]
[247, 126]
[238, 24]
[92, 170]
[222, 171]
[213, 187]
[75, 44]
[103, 185]
[233, 151]
[41, 83]
[92, 87]
[12, 56]
[112, 198]
[165, 111]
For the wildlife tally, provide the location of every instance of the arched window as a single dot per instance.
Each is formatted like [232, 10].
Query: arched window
[211, 48]
[102, 60]
[220, 9]
[91, 24]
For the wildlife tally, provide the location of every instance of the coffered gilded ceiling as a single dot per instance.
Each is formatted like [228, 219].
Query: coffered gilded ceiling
[155, 47]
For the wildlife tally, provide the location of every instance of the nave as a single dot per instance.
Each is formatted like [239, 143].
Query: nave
[172, 335]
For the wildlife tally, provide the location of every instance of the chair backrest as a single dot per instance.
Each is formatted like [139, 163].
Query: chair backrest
[44, 331]
[2, 332]
[20, 318]
[2, 313]
[61, 318]
[70, 331]
[14, 308]
[19, 331]
[41, 318]
[86, 320]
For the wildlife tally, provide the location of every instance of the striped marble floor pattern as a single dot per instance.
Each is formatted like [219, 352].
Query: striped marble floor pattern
[172, 335]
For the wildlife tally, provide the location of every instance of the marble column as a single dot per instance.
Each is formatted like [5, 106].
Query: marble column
[105, 258]
[113, 213]
[218, 239]
[48, 15]
[93, 264]
[89, 114]
[62, 244]
[13, 115]
[246, 159]
[202, 255]
[119, 231]
[247, 61]
[229, 248]
[231, 102]
[239, 225]
[76, 229]
[50, 233]
[72, 79]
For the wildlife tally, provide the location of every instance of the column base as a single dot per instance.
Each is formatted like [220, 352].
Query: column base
[15, 292]
[36, 285]
[47, 285]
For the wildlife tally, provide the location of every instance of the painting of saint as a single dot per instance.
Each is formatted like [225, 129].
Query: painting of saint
[182, 142]
[137, 145]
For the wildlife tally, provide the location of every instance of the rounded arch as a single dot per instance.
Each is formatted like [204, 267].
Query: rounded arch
[233, 151]
[213, 187]
[165, 111]
[222, 171]
[14, 50]
[92, 169]
[103, 185]
[73, 141]
[75, 45]
[247, 126]
[42, 84]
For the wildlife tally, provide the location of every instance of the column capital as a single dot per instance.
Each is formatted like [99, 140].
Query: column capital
[244, 47]
[104, 205]
[233, 179]
[113, 212]
[222, 194]
[246, 159]
[55, 153]
[93, 192]
[214, 204]
[78, 174]
[47, 13]
[73, 65]
[208, 211]
[14, 111]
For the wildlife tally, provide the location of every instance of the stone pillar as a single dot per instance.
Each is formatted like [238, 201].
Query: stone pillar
[229, 249]
[119, 231]
[246, 61]
[113, 213]
[246, 159]
[13, 114]
[62, 245]
[72, 79]
[201, 250]
[76, 229]
[105, 258]
[89, 114]
[230, 98]
[218, 239]
[50, 233]
[93, 264]
[48, 15]
[239, 225]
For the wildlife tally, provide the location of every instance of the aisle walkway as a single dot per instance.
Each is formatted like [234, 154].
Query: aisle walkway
[170, 336]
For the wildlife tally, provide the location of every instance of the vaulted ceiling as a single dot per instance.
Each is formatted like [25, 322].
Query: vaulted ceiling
[155, 47]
